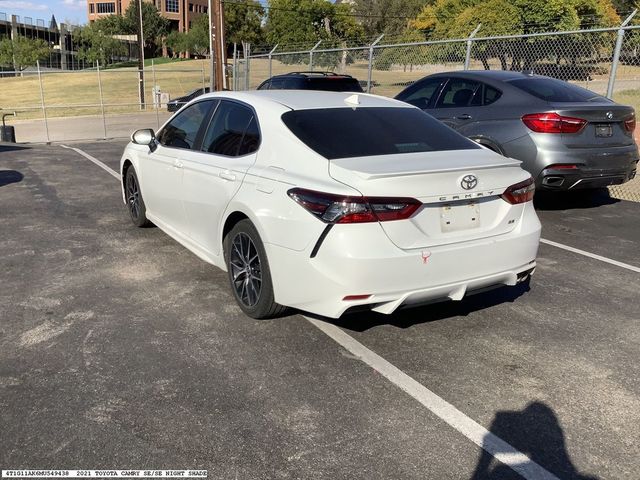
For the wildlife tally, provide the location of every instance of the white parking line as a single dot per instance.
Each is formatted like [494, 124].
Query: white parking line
[475, 432]
[591, 255]
[479, 435]
[109, 170]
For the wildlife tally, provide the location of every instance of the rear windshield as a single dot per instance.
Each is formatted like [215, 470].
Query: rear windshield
[556, 91]
[334, 84]
[359, 132]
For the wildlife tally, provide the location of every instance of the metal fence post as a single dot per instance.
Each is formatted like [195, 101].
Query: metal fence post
[246, 47]
[157, 102]
[44, 108]
[467, 58]
[104, 120]
[311, 55]
[234, 69]
[370, 67]
[616, 54]
[271, 58]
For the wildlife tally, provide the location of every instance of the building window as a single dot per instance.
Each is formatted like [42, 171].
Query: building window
[92, 8]
[106, 8]
[205, 9]
[172, 6]
[191, 7]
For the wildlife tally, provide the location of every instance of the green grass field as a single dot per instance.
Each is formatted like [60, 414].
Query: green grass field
[78, 93]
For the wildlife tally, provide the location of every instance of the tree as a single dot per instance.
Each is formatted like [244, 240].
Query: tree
[93, 44]
[387, 16]
[22, 52]
[243, 22]
[154, 25]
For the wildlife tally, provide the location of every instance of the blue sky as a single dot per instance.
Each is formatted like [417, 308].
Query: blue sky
[74, 11]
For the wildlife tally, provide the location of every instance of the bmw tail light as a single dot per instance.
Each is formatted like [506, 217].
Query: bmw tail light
[332, 208]
[520, 192]
[630, 124]
[553, 123]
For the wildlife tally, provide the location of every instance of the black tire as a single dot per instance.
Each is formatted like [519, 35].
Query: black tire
[135, 202]
[249, 274]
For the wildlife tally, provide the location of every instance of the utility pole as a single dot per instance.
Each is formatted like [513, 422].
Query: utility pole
[140, 56]
[216, 45]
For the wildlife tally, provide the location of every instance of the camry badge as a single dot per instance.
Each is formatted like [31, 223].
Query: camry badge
[468, 182]
[609, 115]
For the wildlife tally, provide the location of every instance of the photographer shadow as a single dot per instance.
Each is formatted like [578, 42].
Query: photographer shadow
[536, 432]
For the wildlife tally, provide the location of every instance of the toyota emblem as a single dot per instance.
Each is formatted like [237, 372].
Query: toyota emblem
[468, 182]
[609, 115]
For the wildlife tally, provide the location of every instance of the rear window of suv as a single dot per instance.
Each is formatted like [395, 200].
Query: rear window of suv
[556, 91]
[334, 84]
[359, 132]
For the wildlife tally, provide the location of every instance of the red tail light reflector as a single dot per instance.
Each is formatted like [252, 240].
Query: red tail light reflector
[566, 166]
[630, 124]
[351, 298]
[553, 123]
[332, 208]
[520, 192]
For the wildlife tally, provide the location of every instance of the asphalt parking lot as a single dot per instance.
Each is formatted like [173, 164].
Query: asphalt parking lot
[119, 349]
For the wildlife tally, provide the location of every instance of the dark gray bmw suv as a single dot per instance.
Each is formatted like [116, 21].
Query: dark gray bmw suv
[566, 136]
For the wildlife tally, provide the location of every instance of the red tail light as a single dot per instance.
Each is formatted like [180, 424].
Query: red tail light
[340, 209]
[520, 192]
[630, 124]
[553, 123]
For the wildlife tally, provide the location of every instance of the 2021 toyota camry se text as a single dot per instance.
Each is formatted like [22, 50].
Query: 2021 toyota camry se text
[325, 201]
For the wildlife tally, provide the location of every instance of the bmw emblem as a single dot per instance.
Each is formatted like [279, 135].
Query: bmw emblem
[609, 115]
[468, 182]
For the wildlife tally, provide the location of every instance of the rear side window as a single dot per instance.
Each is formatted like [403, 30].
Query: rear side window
[346, 132]
[457, 93]
[334, 84]
[277, 84]
[232, 131]
[556, 91]
[485, 95]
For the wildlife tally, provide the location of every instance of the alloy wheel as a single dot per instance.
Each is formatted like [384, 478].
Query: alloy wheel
[133, 196]
[246, 270]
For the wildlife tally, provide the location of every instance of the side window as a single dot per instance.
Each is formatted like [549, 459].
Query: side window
[420, 94]
[182, 131]
[227, 129]
[457, 93]
[265, 86]
[485, 95]
[277, 84]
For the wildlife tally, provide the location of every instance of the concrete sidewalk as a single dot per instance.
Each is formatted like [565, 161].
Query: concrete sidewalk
[64, 129]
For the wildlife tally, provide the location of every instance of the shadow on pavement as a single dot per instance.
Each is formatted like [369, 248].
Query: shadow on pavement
[362, 321]
[10, 147]
[536, 432]
[570, 200]
[10, 176]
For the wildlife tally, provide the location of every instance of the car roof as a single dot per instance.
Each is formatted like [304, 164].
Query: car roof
[307, 99]
[312, 74]
[500, 75]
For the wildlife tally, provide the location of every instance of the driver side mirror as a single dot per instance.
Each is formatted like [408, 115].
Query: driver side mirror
[145, 136]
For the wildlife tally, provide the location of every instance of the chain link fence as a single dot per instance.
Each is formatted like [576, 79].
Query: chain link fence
[604, 60]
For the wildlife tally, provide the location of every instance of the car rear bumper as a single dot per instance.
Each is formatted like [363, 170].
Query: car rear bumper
[594, 167]
[361, 260]
[583, 177]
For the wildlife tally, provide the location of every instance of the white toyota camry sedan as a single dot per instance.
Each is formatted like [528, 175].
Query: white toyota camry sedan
[329, 201]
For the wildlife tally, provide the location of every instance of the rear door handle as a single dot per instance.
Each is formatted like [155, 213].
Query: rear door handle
[227, 175]
[464, 116]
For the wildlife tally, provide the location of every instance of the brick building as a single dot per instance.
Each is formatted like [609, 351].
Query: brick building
[181, 13]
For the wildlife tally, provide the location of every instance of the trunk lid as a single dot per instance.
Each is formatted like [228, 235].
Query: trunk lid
[605, 127]
[450, 213]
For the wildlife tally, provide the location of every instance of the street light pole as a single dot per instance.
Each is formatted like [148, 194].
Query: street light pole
[141, 56]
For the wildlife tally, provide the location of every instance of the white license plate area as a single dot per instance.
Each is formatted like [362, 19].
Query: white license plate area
[459, 216]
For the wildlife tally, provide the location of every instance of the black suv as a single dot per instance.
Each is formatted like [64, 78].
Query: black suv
[329, 81]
